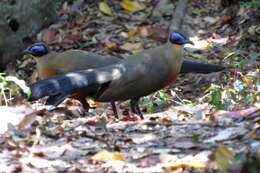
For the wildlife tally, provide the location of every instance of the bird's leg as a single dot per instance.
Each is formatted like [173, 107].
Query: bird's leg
[114, 109]
[135, 107]
[139, 111]
[132, 106]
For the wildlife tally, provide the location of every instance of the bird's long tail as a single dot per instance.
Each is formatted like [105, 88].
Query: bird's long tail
[69, 83]
[197, 67]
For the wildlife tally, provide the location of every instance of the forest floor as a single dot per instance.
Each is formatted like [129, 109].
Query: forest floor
[202, 123]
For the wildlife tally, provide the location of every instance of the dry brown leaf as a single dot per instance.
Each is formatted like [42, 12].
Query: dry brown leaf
[236, 114]
[75, 37]
[144, 31]
[46, 35]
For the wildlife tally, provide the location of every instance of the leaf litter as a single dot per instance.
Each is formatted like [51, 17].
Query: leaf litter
[176, 138]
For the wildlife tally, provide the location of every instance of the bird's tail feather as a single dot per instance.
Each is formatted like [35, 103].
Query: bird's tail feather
[56, 100]
[197, 67]
[64, 85]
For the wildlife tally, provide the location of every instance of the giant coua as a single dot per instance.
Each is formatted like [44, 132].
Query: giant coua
[136, 76]
[49, 63]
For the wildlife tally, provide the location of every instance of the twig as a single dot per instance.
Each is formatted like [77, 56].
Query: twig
[178, 15]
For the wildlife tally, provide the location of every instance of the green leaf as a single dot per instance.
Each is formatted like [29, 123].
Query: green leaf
[229, 55]
[150, 107]
[104, 8]
[247, 97]
[223, 157]
[195, 138]
[132, 5]
[20, 83]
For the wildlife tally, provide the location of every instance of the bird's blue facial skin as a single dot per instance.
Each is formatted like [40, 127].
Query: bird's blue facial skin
[37, 50]
[178, 38]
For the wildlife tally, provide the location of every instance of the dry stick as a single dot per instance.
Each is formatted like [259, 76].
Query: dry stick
[178, 15]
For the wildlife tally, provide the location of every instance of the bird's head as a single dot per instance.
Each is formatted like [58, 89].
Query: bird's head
[37, 50]
[178, 38]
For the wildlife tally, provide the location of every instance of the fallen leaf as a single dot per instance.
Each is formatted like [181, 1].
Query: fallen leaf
[142, 138]
[133, 32]
[118, 156]
[247, 80]
[15, 116]
[144, 31]
[101, 155]
[201, 44]
[171, 166]
[184, 144]
[104, 8]
[222, 157]
[133, 47]
[228, 133]
[91, 123]
[105, 155]
[132, 5]
[46, 35]
[75, 37]
[80, 20]
[211, 20]
[91, 102]
[236, 114]
[109, 44]
[38, 154]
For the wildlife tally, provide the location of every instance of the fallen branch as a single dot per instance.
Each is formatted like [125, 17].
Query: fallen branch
[178, 15]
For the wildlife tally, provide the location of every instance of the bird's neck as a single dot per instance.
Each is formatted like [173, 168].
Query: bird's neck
[177, 50]
[44, 65]
[174, 53]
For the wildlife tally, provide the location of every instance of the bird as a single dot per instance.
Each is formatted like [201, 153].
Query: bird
[50, 63]
[132, 72]
[136, 76]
